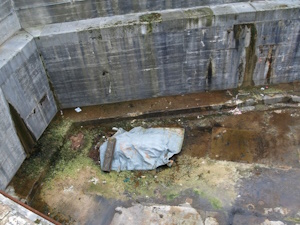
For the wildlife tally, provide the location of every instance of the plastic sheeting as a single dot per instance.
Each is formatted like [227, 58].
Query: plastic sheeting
[144, 149]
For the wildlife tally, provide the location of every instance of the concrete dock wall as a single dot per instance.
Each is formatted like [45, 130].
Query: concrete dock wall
[23, 85]
[171, 52]
[12, 152]
[113, 51]
[34, 13]
[9, 22]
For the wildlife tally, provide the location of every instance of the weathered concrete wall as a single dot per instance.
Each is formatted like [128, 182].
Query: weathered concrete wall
[9, 22]
[12, 153]
[38, 12]
[23, 85]
[172, 52]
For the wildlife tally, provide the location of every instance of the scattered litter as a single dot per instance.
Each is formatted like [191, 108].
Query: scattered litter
[262, 95]
[115, 129]
[267, 87]
[104, 182]
[143, 177]
[262, 88]
[61, 113]
[144, 149]
[238, 101]
[281, 210]
[236, 111]
[155, 177]
[126, 180]
[94, 180]
[109, 155]
[78, 109]
[228, 93]
[294, 115]
[118, 209]
[69, 189]
[278, 111]
[170, 163]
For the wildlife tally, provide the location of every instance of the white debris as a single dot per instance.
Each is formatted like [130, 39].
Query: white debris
[236, 111]
[281, 210]
[211, 221]
[278, 111]
[94, 180]
[78, 109]
[267, 210]
[69, 189]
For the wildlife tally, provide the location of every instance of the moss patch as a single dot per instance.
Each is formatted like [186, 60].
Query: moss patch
[149, 19]
[196, 14]
[215, 203]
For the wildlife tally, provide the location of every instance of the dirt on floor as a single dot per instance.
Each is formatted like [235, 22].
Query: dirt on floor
[231, 166]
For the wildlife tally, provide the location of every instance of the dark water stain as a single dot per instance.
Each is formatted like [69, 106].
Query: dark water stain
[104, 212]
[270, 188]
[26, 137]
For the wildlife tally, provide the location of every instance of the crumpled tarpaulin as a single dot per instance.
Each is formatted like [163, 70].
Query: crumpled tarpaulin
[144, 149]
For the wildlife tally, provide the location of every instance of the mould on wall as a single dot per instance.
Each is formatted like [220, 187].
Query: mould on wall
[196, 14]
[149, 19]
[246, 35]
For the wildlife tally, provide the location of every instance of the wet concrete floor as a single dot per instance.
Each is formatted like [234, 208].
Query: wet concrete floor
[239, 169]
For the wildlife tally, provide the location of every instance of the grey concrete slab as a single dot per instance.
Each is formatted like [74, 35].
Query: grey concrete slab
[12, 153]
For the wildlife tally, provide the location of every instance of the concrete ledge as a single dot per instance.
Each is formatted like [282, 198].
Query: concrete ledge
[15, 212]
[8, 26]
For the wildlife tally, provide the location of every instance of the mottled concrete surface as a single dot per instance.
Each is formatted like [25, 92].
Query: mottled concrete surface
[171, 52]
[24, 89]
[34, 13]
[12, 213]
[12, 152]
[9, 22]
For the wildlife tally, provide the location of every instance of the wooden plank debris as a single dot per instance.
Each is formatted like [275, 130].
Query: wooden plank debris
[109, 154]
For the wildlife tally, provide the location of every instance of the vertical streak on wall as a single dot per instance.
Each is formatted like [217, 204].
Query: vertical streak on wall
[251, 57]
[245, 36]
[209, 75]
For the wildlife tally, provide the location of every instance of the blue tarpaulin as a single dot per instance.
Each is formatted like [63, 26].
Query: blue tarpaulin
[144, 149]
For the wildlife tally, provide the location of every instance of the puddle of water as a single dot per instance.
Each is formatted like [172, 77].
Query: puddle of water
[236, 145]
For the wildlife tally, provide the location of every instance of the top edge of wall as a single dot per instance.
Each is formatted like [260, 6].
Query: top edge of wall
[217, 12]
[37, 12]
